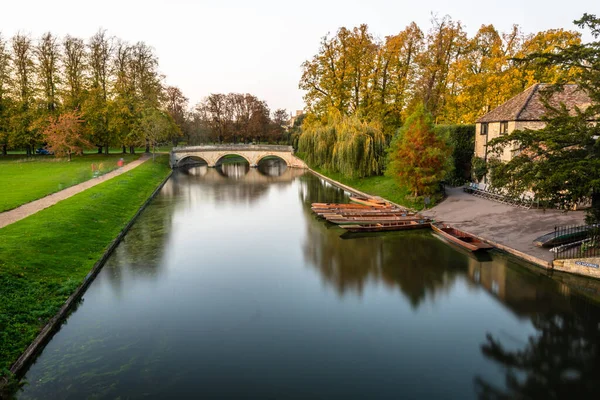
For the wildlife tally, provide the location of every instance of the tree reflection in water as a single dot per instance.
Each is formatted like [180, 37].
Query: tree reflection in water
[141, 252]
[562, 361]
[418, 264]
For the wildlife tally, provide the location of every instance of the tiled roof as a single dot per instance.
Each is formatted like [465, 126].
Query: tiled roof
[528, 105]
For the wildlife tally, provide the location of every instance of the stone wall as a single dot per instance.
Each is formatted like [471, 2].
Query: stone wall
[580, 266]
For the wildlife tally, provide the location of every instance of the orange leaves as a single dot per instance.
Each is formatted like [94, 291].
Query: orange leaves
[419, 158]
[64, 134]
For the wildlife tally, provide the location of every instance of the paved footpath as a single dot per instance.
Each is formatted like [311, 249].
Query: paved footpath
[16, 214]
[510, 226]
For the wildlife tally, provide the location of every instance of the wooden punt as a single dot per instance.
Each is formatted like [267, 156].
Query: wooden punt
[460, 238]
[365, 212]
[558, 238]
[339, 205]
[370, 201]
[371, 220]
[364, 216]
[389, 226]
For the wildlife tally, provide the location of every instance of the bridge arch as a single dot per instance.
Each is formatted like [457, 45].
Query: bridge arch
[182, 161]
[220, 157]
[279, 157]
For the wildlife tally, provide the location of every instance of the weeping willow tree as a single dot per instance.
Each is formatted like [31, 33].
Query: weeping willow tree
[344, 144]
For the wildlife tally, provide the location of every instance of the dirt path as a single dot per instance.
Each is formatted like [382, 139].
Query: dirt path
[14, 215]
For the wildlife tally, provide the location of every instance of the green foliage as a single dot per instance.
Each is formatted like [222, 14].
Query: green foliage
[419, 156]
[343, 144]
[462, 140]
[479, 168]
[44, 257]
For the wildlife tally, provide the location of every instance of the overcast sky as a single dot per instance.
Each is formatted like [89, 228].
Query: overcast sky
[222, 46]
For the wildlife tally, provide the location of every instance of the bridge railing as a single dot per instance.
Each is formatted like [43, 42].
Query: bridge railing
[234, 147]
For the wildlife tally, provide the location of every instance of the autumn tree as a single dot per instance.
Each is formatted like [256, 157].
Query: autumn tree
[74, 72]
[398, 73]
[23, 68]
[5, 99]
[176, 105]
[65, 134]
[95, 108]
[444, 44]
[48, 56]
[279, 121]
[156, 127]
[419, 157]
[234, 117]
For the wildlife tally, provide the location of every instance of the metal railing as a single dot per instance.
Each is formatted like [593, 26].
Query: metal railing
[577, 241]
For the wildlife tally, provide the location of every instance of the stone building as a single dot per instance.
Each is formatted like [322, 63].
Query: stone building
[524, 111]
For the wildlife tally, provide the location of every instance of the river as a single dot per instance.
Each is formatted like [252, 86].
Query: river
[227, 286]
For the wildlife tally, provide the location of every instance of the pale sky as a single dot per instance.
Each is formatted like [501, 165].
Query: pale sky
[258, 46]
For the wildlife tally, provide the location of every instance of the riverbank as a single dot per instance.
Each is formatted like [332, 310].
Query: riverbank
[45, 258]
[24, 180]
[381, 186]
[507, 228]
[24, 211]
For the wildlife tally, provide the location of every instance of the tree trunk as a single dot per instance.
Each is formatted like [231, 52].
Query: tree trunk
[4, 152]
[99, 149]
[69, 155]
[147, 145]
[106, 149]
[131, 149]
[28, 150]
[124, 149]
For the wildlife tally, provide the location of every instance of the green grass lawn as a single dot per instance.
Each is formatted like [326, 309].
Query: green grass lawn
[383, 186]
[26, 179]
[43, 258]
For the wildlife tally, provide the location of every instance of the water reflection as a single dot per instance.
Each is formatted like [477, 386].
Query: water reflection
[227, 279]
[228, 183]
[140, 255]
[271, 167]
[233, 170]
[560, 361]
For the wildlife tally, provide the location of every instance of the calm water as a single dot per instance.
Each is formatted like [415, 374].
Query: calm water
[228, 287]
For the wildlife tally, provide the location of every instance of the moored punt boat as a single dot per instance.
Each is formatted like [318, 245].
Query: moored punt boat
[356, 213]
[387, 226]
[339, 205]
[460, 238]
[373, 220]
[364, 215]
[350, 212]
[560, 237]
[370, 201]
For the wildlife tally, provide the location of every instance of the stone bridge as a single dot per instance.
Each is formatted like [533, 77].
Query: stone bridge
[213, 154]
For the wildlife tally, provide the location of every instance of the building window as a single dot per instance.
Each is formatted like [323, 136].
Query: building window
[504, 127]
[484, 128]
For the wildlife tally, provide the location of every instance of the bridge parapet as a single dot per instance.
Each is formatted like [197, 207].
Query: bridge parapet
[213, 154]
[234, 147]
